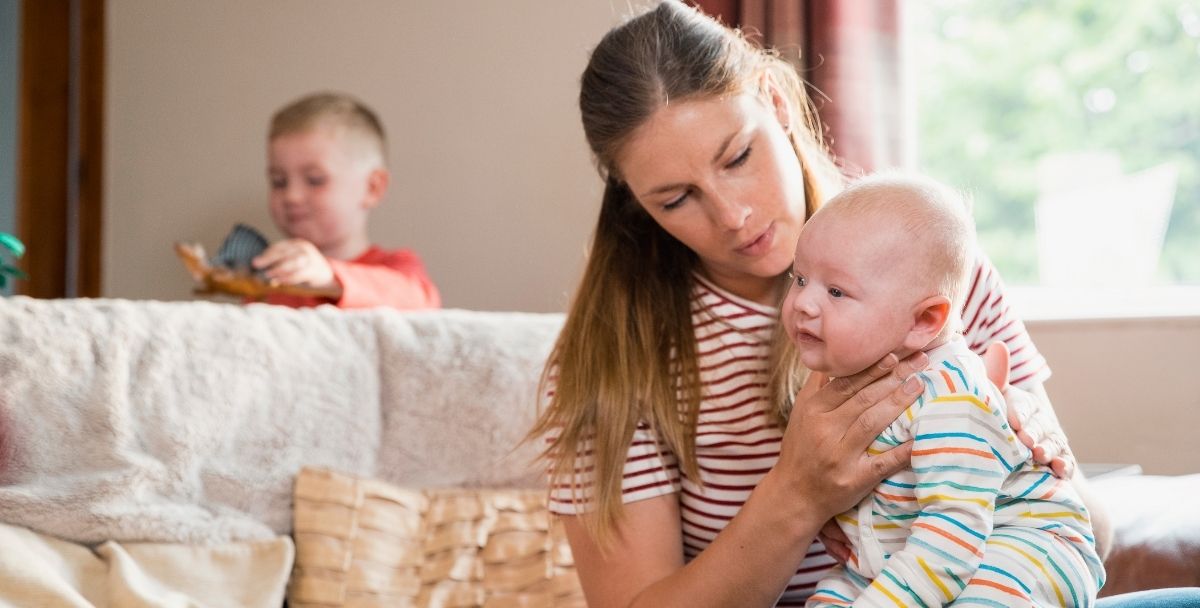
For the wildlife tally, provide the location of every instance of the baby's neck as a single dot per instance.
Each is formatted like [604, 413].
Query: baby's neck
[940, 340]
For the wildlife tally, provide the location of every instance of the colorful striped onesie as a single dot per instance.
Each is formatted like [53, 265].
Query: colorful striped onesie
[973, 518]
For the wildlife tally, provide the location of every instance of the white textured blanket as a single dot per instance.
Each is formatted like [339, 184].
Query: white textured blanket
[187, 421]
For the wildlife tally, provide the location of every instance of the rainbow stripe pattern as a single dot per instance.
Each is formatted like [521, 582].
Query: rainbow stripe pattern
[973, 521]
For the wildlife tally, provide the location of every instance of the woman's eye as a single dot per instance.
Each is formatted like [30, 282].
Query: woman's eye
[835, 292]
[675, 202]
[278, 184]
[315, 181]
[741, 159]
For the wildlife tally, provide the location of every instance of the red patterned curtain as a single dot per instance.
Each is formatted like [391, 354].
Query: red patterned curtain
[850, 52]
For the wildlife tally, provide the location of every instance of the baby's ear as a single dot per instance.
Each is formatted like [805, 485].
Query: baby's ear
[929, 317]
[377, 185]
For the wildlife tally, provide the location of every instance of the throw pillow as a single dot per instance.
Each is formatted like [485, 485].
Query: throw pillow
[363, 542]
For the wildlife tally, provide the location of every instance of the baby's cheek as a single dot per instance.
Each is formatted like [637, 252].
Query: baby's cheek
[854, 356]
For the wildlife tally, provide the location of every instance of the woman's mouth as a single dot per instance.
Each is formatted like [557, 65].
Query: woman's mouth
[760, 244]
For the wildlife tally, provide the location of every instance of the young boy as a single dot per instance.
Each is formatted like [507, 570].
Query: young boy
[326, 165]
[881, 268]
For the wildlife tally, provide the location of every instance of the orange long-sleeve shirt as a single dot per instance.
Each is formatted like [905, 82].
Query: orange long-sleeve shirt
[378, 277]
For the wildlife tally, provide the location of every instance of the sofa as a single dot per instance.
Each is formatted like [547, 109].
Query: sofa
[150, 452]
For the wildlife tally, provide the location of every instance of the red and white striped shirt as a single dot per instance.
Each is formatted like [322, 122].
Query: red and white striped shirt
[736, 439]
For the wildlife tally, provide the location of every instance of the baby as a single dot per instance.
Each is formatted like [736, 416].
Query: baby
[882, 268]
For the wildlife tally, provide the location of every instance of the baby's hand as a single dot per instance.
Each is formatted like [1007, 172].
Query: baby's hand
[837, 544]
[295, 262]
[1031, 417]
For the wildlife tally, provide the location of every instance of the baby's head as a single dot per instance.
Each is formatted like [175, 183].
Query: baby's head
[882, 267]
[326, 162]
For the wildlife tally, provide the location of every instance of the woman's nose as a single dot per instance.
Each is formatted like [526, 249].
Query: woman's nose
[729, 213]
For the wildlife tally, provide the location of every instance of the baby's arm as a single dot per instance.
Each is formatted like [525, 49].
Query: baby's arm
[962, 453]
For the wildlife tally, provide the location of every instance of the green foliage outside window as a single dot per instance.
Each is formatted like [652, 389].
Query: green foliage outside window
[1001, 83]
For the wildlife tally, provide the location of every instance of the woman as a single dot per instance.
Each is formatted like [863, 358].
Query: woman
[675, 483]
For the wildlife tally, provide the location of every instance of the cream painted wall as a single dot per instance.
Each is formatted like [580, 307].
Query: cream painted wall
[1127, 390]
[492, 182]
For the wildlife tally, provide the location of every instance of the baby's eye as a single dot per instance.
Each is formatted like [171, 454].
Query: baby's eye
[315, 181]
[801, 280]
[835, 292]
[278, 184]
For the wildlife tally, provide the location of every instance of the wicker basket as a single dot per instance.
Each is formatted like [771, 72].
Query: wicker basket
[366, 543]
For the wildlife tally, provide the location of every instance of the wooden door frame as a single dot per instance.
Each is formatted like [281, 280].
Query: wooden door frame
[60, 147]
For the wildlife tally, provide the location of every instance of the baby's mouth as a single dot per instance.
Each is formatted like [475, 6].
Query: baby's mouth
[807, 337]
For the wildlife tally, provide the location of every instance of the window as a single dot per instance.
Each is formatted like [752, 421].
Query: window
[1075, 125]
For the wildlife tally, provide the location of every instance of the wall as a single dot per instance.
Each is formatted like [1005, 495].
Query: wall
[1127, 390]
[492, 181]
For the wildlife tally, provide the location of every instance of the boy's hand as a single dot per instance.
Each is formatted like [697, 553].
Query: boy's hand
[296, 262]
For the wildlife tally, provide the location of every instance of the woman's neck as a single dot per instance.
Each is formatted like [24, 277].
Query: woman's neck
[767, 291]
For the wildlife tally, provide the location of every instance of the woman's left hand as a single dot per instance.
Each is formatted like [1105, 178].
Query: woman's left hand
[1031, 416]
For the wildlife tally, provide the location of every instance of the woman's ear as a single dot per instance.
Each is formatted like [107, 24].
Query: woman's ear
[929, 317]
[774, 94]
[377, 185]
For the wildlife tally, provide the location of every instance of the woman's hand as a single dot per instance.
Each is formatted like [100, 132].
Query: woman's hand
[1031, 416]
[824, 455]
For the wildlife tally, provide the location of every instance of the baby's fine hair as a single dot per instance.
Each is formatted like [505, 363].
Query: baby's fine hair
[337, 110]
[929, 214]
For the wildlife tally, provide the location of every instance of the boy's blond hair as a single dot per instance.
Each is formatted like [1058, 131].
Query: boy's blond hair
[338, 111]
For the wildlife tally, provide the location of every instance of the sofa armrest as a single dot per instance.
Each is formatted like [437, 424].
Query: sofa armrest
[1156, 526]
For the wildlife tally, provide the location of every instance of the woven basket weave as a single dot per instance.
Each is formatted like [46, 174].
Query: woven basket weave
[365, 543]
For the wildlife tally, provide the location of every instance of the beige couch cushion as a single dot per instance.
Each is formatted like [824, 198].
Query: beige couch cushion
[363, 542]
[39, 570]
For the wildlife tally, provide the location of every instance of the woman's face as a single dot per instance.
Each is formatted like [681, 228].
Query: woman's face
[720, 175]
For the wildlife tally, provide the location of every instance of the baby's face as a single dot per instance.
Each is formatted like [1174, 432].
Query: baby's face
[849, 303]
[319, 190]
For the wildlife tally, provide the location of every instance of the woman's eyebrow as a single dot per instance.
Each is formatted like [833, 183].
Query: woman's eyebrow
[663, 188]
[725, 144]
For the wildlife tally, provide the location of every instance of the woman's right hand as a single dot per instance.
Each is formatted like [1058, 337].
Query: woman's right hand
[824, 453]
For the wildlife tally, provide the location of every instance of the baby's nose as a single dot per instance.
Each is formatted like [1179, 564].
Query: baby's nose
[805, 304]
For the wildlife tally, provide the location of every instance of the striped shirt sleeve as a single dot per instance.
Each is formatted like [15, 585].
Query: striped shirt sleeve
[650, 470]
[987, 318]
